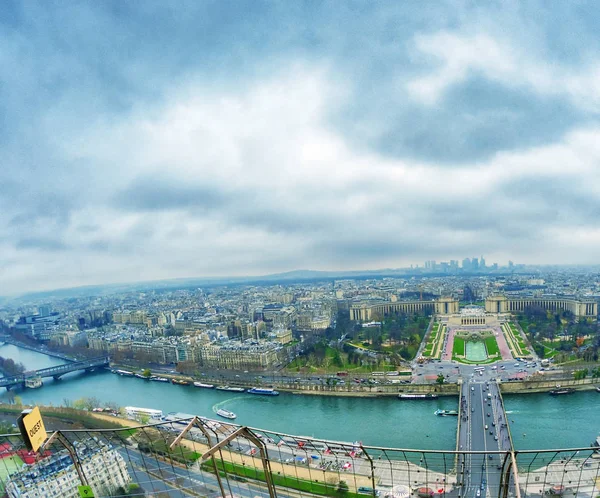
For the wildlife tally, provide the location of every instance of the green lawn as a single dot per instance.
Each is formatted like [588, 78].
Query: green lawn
[433, 346]
[317, 488]
[516, 343]
[8, 466]
[459, 346]
[459, 352]
[492, 346]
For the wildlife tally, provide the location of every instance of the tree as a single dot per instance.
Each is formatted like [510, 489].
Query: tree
[18, 401]
[86, 403]
[440, 379]
[539, 349]
[342, 487]
[147, 373]
[7, 428]
[113, 406]
[337, 359]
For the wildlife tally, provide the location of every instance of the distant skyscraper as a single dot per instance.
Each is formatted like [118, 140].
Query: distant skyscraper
[482, 263]
[475, 264]
[466, 264]
[44, 310]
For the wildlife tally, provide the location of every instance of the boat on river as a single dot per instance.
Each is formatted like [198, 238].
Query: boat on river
[206, 386]
[124, 373]
[560, 391]
[418, 396]
[444, 413]
[265, 391]
[180, 382]
[159, 379]
[221, 412]
[231, 389]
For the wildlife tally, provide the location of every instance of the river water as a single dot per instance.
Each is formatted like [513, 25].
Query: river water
[537, 420]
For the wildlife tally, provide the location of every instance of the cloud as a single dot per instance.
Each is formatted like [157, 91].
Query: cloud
[458, 57]
[221, 141]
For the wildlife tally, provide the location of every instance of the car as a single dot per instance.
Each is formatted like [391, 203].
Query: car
[478, 494]
[491, 433]
[488, 414]
[472, 388]
[495, 438]
[472, 410]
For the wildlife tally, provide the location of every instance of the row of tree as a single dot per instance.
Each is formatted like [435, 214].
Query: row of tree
[11, 367]
[567, 334]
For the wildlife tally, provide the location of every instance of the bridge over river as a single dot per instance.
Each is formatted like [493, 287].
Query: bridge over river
[56, 372]
[482, 427]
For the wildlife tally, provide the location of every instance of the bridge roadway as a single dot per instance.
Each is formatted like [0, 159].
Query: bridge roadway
[482, 427]
[55, 372]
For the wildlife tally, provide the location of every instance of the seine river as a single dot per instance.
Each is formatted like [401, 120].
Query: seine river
[537, 420]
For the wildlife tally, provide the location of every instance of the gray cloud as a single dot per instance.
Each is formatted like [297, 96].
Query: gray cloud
[227, 138]
[158, 192]
[41, 243]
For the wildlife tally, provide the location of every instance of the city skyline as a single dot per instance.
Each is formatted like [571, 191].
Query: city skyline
[149, 142]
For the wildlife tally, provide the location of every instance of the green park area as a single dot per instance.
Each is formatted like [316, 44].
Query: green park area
[559, 335]
[384, 344]
[8, 466]
[475, 348]
[515, 341]
[352, 357]
[293, 482]
[435, 342]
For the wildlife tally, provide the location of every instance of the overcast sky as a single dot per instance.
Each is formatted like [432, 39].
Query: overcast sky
[147, 140]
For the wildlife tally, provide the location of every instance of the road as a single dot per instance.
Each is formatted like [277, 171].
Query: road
[482, 428]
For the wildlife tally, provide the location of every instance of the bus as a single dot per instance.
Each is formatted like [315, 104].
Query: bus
[479, 369]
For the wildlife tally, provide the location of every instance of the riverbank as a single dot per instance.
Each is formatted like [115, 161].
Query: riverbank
[54, 354]
[352, 390]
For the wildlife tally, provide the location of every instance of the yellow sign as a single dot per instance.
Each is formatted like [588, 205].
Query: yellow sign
[85, 492]
[34, 428]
